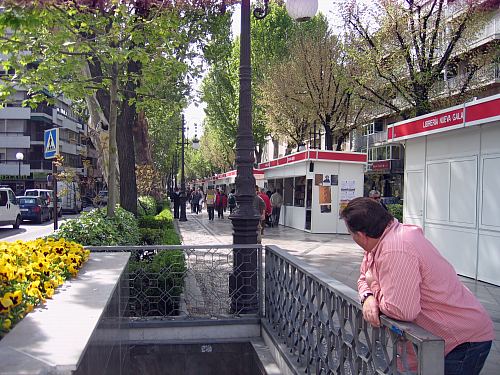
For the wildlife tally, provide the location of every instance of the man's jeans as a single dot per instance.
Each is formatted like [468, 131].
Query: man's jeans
[467, 358]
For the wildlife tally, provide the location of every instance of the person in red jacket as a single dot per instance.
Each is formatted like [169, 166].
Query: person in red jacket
[220, 203]
[269, 207]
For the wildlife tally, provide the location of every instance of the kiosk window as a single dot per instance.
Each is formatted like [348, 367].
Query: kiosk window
[300, 191]
[288, 192]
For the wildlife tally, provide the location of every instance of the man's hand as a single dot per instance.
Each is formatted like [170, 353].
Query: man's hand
[371, 311]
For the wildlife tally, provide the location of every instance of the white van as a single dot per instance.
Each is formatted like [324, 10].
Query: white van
[69, 192]
[10, 214]
[48, 196]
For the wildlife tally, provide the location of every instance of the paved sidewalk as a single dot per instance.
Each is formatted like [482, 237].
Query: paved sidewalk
[336, 255]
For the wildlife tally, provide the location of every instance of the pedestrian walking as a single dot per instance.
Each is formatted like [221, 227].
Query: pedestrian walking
[201, 200]
[404, 276]
[276, 203]
[177, 202]
[231, 201]
[220, 203]
[269, 208]
[195, 201]
[210, 201]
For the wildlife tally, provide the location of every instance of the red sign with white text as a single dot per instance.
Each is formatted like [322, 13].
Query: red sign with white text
[381, 165]
[472, 113]
[316, 155]
[427, 124]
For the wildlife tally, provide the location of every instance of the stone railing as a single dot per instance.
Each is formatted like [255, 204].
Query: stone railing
[320, 322]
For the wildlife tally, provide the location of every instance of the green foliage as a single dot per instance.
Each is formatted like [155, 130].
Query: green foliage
[153, 222]
[159, 229]
[146, 205]
[397, 211]
[94, 228]
[167, 216]
[151, 236]
[169, 268]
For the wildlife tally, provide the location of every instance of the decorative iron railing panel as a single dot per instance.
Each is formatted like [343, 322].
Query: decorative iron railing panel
[192, 281]
[320, 321]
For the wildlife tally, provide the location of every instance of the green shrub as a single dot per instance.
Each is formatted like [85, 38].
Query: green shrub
[166, 215]
[397, 211]
[146, 205]
[163, 204]
[169, 268]
[152, 222]
[151, 236]
[94, 228]
[170, 237]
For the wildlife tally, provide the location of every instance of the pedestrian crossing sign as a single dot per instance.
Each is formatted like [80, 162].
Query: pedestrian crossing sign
[51, 143]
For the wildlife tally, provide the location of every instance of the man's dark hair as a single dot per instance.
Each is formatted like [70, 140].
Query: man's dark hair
[367, 216]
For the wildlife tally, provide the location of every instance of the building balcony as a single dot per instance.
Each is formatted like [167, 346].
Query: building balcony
[487, 75]
[15, 113]
[377, 138]
[14, 140]
[11, 168]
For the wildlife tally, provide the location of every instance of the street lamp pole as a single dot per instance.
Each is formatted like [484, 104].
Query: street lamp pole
[20, 158]
[183, 198]
[243, 282]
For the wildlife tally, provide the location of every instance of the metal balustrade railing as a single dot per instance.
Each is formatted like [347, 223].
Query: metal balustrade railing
[219, 281]
[317, 318]
[320, 321]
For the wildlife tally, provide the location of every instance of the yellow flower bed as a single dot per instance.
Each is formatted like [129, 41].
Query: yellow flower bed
[29, 273]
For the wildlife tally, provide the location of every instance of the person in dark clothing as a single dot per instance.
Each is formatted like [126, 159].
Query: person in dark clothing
[376, 196]
[177, 202]
[231, 201]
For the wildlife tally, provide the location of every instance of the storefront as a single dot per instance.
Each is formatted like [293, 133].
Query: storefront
[226, 181]
[315, 186]
[452, 183]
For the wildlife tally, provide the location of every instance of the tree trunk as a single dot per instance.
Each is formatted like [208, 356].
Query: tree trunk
[141, 140]
[340, 140]
[328, 137]
[125, 143]
[113, 111]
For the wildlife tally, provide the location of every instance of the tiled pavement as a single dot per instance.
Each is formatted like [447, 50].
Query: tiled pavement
[335, 255]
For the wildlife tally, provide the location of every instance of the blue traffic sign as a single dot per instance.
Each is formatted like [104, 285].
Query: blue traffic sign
[51, 143]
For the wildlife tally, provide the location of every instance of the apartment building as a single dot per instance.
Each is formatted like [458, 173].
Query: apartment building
[22, 163]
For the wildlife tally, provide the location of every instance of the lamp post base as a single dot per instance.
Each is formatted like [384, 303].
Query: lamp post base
[244, 281]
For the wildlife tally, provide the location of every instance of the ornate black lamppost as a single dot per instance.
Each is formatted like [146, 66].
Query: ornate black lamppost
[243, 282]
[183, 197]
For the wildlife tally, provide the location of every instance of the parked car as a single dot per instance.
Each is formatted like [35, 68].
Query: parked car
[69, 192]
[9, 209]
[48, 196]
[34, 208]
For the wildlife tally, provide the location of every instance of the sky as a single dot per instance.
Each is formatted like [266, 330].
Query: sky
[194, 114]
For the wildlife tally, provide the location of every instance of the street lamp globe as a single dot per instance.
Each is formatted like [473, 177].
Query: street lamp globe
[302, 10]
[196, 143]
[19, 156]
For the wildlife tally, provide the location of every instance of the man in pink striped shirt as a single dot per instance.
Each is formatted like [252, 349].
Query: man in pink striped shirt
[405, 277]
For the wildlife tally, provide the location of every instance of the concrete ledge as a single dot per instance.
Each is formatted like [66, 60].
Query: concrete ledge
[54, 337]
[193, 331]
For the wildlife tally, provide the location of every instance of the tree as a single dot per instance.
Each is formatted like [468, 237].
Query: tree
[120, 48]
[401, 49]
[313, 84]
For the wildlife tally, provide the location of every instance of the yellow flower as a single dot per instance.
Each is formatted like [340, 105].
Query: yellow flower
[5, 304]
[6, 324]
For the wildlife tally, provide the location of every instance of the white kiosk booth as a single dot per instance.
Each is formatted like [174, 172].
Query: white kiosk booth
[226, 181]
[452, 183]
[315, 185]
